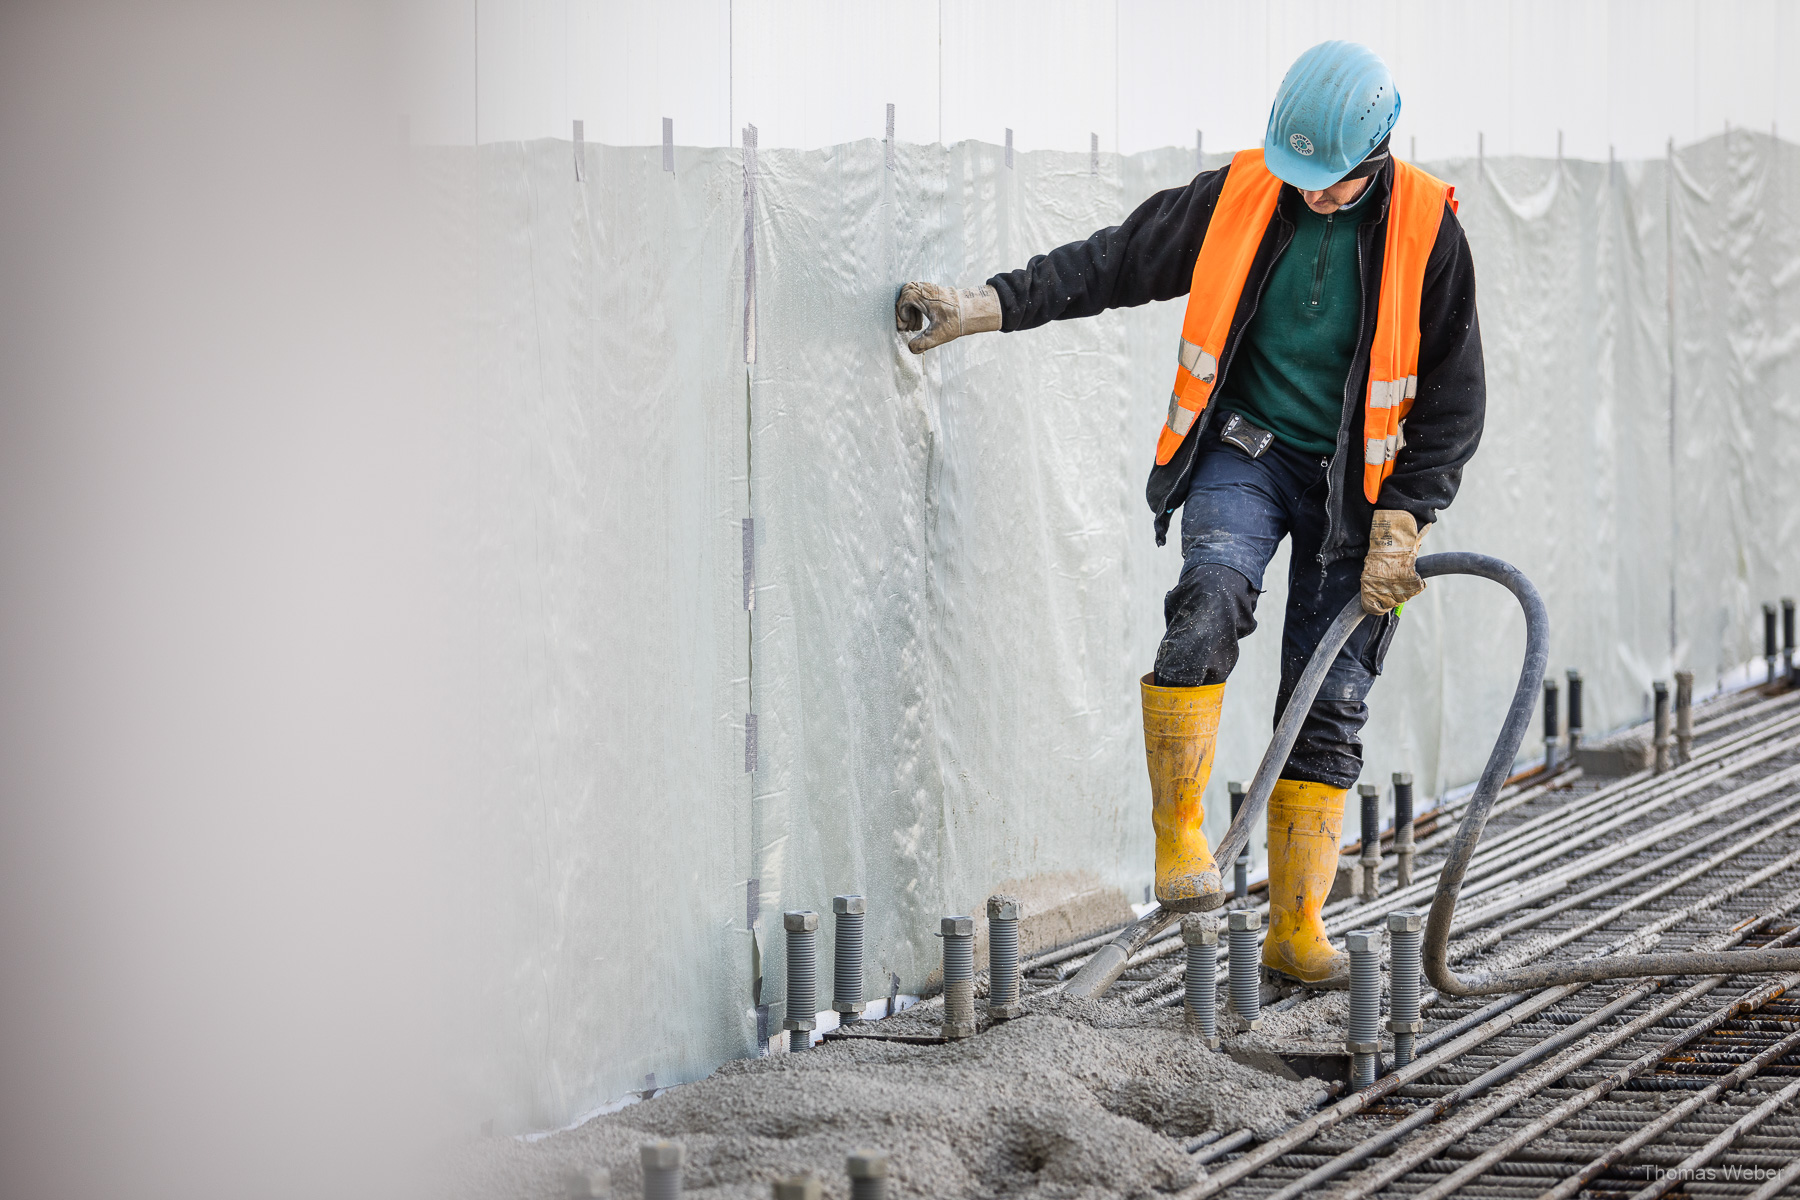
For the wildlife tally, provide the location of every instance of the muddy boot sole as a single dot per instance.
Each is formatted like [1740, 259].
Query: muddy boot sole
[1334, 982]
[1211, 896]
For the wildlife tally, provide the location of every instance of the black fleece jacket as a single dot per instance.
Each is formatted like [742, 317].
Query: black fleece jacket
[1151, 257]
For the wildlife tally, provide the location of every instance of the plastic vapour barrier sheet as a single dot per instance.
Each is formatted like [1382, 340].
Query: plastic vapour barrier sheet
[952, 578]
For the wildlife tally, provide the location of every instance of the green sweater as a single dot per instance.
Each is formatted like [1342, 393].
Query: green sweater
[1291, 370]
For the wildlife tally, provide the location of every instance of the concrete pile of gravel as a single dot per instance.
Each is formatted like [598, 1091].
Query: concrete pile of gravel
[1085, 1100]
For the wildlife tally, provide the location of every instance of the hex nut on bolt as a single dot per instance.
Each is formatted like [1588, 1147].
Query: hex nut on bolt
[1243, 919]
[799, 922]
[849, 904]
[1405, 922]
[1002, 908]
[661, 1156]
[957, 927]
[867, 1164]
[1197, 930]
[1364, 941]
[800, 1187]
[868, 1171]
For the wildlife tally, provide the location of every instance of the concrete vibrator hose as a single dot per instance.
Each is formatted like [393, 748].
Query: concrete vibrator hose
[1104, 968]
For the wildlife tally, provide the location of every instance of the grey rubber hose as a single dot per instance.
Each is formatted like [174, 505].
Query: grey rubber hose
[1104, 968]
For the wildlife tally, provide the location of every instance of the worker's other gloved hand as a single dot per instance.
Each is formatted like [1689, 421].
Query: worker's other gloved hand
[1390, 574]
[951, 312]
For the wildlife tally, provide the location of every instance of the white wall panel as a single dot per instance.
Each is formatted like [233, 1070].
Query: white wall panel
[1628, 74]
[1045, 70]
[809, 73]
[957, 584]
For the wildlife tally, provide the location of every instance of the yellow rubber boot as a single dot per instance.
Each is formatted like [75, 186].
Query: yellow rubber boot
[1306, 826]
[1181, 726]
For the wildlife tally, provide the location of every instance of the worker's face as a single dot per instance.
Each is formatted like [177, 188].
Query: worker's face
[1336, 196]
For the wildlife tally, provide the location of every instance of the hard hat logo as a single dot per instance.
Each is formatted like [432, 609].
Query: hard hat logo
[1336, 103]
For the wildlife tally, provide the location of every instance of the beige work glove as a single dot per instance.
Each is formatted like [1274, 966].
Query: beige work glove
[951, 312]
[1390, 576]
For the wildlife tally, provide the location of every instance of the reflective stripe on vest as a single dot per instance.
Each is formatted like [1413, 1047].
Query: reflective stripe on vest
[1415, 211]
[1241, 217]
[1242, 213]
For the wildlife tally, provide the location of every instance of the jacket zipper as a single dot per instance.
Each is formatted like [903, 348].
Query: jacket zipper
[1322, 261]
[1231, 347]
[1333, 523]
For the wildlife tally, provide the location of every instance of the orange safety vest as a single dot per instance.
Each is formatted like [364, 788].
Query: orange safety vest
[1239, 221]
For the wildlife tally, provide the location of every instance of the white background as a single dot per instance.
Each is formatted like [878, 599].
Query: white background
[1139, 73]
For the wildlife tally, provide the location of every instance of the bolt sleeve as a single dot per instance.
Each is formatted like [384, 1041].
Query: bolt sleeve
[802, 980]
[1003, 963]
[1244, 974]
[959, 985]
[1202, 979]
[1405, 962]
[847, 960]
[1365, 996]
[662, 1183]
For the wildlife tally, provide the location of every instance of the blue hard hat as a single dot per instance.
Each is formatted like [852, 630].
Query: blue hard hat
[1335, 105]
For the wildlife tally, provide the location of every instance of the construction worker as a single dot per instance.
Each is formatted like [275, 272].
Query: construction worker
[1329, 389]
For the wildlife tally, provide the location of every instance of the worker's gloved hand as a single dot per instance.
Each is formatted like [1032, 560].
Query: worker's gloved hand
[951, 313]
[1390, 574]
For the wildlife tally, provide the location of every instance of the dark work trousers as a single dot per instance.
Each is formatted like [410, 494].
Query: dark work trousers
[1236, 513]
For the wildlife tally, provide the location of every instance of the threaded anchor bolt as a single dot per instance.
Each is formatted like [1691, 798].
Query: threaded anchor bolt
[1200, 934]
[1363, 1036]
[1574, 710]
[868, 1171]
[802, 1017]
[1403, 828]
[799, 1187]
[1244, 971]
[1550, 723]
[587, 1183]
[662, 1170]
[959, 976]
[1684, 716]
[1406, 937]
[1240, 883]
[847, 959]
[1003, 958]
[1769, 639]
[1660, 723]
[1371, 840]
[1787, 639]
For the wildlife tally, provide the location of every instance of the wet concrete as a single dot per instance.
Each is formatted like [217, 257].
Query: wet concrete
[1091, 1099]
